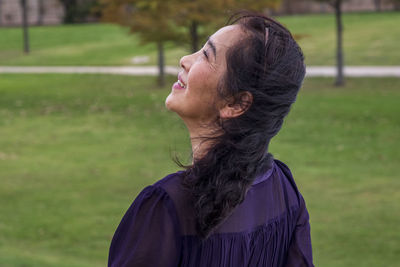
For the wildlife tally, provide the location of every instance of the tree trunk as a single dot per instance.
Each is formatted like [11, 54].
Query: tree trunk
[40, 13]
[70, 7]
[194, 36]
[288, 7]
[25, 26]
[377, 5]
[396, 5]
[161, 75]
[339, 52]
[1, 4]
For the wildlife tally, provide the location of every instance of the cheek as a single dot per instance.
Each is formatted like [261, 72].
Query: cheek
[202, 84]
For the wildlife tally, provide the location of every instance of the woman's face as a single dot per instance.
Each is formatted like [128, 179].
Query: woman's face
[194, 96]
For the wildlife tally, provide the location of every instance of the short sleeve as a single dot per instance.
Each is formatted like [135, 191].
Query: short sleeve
[149, 232]
[300, 251]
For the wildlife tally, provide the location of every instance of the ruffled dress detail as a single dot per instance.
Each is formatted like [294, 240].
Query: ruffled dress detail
[269, 228]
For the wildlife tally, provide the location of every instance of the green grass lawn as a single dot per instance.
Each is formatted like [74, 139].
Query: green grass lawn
[369, 39]
[85, 44]
[75, 150]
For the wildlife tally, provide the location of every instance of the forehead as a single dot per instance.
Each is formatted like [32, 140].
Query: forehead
[227, 35]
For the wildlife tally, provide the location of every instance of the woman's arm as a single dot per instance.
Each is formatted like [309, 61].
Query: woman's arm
[300, 252]
[149, 233]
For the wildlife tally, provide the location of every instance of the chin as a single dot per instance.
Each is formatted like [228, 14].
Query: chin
[169, 102]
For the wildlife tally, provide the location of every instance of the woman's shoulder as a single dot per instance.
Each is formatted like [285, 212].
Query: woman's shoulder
[159, 191]
[168, 179]
[288, 181]
[180, 197]
[171, 185]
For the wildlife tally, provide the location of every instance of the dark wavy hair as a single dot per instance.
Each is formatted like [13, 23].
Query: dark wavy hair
[269, 65]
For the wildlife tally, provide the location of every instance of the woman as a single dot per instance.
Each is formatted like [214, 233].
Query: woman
[235, 205]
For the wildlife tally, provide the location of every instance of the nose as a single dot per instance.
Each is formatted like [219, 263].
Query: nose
[186, 62]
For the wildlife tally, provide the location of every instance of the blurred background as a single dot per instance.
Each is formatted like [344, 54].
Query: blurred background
[78, 144]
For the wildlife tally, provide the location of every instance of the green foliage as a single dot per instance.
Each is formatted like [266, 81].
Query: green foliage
[151, 19]
[75, 150]
[160, 20]
[77, 10]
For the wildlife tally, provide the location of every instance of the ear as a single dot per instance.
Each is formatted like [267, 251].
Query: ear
[233, 108]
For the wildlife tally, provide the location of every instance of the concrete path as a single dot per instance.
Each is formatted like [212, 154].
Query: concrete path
[123, 70]
[312, 71]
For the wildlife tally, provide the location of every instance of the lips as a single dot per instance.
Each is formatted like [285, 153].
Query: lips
[180, 82]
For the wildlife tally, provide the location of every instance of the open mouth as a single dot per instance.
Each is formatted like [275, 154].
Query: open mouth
[181, 84]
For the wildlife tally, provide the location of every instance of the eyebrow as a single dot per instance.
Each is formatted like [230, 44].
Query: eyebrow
[212, 45]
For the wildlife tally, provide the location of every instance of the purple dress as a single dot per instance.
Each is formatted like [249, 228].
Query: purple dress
[269, 228]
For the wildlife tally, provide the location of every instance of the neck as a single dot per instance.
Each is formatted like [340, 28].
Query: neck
[198, 148]
[200, 144]
[199, 139]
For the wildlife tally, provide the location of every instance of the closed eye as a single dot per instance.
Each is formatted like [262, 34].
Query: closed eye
[205, 54]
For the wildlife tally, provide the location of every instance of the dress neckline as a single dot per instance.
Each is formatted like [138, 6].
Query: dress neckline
[265, 176]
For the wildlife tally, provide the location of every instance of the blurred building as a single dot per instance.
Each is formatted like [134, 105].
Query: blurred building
[39, 12]
[45, 12]
[307, 6]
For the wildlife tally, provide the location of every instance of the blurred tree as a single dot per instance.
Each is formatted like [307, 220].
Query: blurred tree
[288, 6]
[201, 17]
[396, 4]
[183, 21]
[378, 5]
[25, 25]
[40, 13]
[150, 19]
[70, 7]
[1, 5]
[77, 10]
[337, 5]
